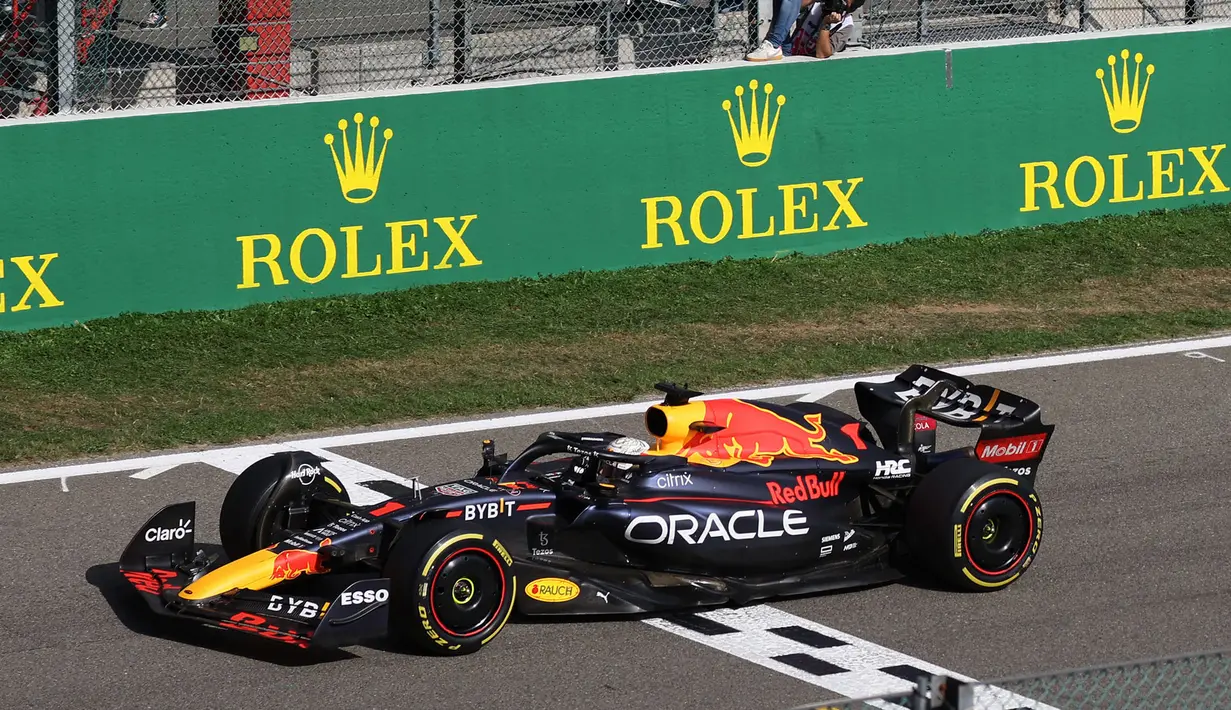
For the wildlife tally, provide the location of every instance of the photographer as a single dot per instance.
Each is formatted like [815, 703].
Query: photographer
[824, 28]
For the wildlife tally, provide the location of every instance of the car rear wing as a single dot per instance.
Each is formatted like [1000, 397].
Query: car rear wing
[905, 411]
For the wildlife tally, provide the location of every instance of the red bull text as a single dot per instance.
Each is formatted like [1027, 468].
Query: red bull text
[809, 487]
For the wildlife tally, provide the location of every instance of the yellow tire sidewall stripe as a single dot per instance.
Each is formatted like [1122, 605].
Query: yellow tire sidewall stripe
[432, 560]
[984, 486]
[507, 614]
[981, 583]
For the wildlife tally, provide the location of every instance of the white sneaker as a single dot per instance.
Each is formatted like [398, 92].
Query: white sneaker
[767, 51]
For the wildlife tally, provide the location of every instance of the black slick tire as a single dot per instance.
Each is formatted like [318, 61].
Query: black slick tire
[242, 524]
[974, 526]
[451, 588]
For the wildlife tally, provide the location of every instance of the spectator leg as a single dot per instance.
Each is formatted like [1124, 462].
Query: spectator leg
[785, 13]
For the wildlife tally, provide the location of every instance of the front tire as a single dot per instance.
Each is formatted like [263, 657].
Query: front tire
[243, 523]
[451, 589]
[974, 526]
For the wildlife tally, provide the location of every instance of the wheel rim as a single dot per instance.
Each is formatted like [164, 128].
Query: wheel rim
[998, 532]
[467, 591]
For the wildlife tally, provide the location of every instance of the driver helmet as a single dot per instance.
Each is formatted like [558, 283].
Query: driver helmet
[613, 471]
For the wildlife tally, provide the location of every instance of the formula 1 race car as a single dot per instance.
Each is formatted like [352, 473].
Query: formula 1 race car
[735, 500]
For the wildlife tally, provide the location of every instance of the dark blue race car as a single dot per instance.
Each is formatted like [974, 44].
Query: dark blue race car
[726, 501]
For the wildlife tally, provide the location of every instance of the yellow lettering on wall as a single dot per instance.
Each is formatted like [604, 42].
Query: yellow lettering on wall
[694, 216]
[331, 254]
[746, 214]
[790, 207]
[796, 211]
[1158, 173]
[37, 284]
[250, 260]
[1117, 181]
[1070, 181]
[843, 198]
[1167, 177]
[1033, 185]
[404, 256]
[455, 242]
[399, 245]
[652, 220]
[1207, 169]
[352, 255]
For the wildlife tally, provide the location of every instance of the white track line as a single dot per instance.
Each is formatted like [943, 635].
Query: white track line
[147, 474]
[818, 389]
[353, 473]
[826, 657]
[808, 390]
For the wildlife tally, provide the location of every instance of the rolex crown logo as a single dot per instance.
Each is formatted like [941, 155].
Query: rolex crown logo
[755, 140]
[358, 177]
[1124, 105]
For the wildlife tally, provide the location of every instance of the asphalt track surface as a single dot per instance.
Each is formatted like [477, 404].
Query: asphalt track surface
[1131, 566]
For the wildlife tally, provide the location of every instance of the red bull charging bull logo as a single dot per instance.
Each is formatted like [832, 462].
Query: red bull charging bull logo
[292, 563]
[750, 433]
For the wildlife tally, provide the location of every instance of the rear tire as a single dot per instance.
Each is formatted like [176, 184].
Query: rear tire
[973, 525]
[451, 589]
[240, 521]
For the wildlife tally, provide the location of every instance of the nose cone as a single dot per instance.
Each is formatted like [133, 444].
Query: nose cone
[254, 571]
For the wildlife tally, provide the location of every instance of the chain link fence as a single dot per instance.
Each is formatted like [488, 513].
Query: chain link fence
[901, 23]
[97, 55]
[1189, 681]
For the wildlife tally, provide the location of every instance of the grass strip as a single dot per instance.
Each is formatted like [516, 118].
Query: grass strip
[141, 382]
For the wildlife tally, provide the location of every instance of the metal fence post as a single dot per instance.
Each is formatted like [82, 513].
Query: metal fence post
[231, 69]
[461, 40]
[921, 22]
[1193, 11]
[608, 41]
[66, 55]
[754, 21]
[433, 33]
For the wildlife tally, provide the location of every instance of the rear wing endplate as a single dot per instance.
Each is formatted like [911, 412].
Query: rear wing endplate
[904, 412]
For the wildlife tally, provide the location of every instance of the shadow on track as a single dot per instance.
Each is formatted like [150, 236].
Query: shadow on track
[687, 614]
[136, 616]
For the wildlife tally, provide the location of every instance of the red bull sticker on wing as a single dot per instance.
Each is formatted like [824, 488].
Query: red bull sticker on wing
[292, 563]
[756, 435]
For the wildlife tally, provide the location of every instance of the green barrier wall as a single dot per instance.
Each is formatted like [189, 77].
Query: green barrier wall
[227, 207]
